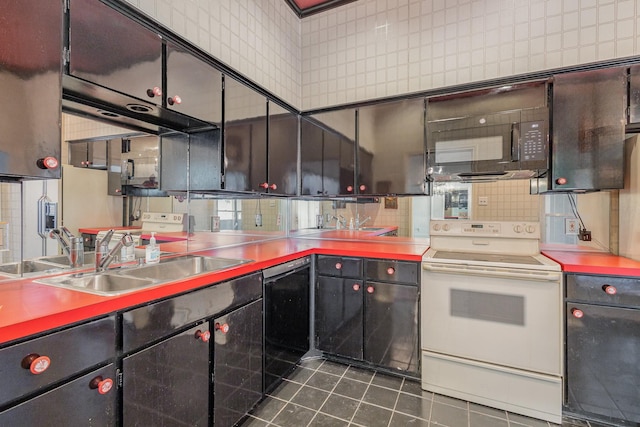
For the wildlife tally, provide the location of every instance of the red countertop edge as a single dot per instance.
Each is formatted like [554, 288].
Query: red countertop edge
[78, 306]
[593, 262]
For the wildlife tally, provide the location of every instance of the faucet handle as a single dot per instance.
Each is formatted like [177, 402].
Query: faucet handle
[66, 232]
[107, 237]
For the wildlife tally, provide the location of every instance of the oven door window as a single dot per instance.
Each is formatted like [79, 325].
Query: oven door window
[500, 308]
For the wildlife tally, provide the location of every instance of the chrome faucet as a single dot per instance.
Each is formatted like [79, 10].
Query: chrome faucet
[104, 256]
[361, 223]
[341, 222]
[72, 247]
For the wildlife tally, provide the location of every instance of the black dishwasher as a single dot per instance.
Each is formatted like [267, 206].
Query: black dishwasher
[286, 310]
[603, 348]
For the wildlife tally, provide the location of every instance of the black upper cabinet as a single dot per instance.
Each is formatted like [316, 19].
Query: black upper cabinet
[30, 69]
[260, 143]
[194, 87]
[391, 147]
[282, 159]
[113, 51]
[634, 97]
[245, 137]
[328, 154]
[588, 130]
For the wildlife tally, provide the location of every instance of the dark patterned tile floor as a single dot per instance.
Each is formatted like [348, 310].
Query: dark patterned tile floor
[324, 393]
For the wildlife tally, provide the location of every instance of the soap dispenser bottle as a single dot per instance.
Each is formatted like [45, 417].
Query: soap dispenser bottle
[152, 251]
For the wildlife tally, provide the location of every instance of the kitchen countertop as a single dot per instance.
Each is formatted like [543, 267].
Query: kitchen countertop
[28, 308]
[577, 260]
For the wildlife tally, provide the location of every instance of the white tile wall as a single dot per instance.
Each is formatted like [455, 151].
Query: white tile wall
[260, 39]
[375, 48]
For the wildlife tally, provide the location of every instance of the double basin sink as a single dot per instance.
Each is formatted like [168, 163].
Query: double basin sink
[126, 279]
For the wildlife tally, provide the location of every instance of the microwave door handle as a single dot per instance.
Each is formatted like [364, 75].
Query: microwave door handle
[515, 142]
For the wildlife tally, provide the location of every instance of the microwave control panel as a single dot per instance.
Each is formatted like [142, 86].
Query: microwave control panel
[533, 144]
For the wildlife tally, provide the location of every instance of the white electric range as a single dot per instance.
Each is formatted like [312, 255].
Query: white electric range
[491, 317]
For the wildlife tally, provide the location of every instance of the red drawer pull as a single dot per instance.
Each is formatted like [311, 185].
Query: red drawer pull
[35, 363]
[610, 290]
[371, 289]
[338, 266]
[203, 336]
[356, 287]
[577, 313]
[224, 328]
[391, 271]
[103, 386]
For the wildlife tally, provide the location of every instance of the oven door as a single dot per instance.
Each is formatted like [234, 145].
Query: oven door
[501, 316]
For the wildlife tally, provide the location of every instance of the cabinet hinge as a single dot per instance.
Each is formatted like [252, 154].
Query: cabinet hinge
[65, 55]
[119, 378]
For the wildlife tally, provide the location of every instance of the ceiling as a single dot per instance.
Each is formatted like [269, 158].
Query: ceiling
[305, 8]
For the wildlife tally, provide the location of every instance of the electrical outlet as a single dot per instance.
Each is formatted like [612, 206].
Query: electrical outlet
[571, 226]
[483, 201]
[585, 235]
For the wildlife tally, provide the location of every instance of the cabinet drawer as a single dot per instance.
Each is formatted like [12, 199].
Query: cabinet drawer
[611, 290]
[72, 404]
[340, 266]
[393, 271]
[146, 324]
[67, 352]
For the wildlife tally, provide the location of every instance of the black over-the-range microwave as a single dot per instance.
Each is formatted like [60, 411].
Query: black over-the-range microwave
[499, 133]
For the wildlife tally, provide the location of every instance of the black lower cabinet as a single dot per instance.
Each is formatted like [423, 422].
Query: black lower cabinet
[86, 401]
[338, 316]
[390, 326]
[237, 363]
[168, 384]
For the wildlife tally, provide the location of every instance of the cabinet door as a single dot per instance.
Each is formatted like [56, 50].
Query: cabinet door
[86, 401]
[245, 137]
[111, 50]
[194, 87]
[390, 135]
[391, 326]
[30, 68]
[339, 148]
[168, 383]
[588, 145]
[338, 316]
[237, 363]
[283, 151]
[311, 164]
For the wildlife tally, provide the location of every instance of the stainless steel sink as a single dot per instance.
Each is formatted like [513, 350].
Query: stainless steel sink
[176, 268]
[28, 268]
[89, 259]
[98, 283]
[119, 281]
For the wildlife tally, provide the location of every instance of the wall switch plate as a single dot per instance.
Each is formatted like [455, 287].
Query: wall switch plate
[483, 201]
[571, 226]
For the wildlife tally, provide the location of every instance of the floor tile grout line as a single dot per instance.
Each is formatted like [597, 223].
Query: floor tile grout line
[395, 404]
[330, 393]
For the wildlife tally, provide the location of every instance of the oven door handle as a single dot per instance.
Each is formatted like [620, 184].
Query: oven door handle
[468, 270]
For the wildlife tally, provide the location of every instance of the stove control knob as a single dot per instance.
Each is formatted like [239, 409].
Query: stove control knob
[610, 290]
[530, 229]
[446, 227]
[577, 313]
[517, 228]
[436, 227]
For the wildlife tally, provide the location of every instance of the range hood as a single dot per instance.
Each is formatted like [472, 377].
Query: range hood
[88, 100]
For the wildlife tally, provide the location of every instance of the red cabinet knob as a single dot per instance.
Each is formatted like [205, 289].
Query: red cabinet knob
[610, 290]
[103, 385]
[47, 163]
[224, 327]
[561, 181]
[391, 271]
[356, 287]
[363, 187]
[266, 185]
[577, 313]
[174, 100]
[203, 336]
[349, 188]
[153, 92]
[35, 363]
[370, 289]
[338, 266]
